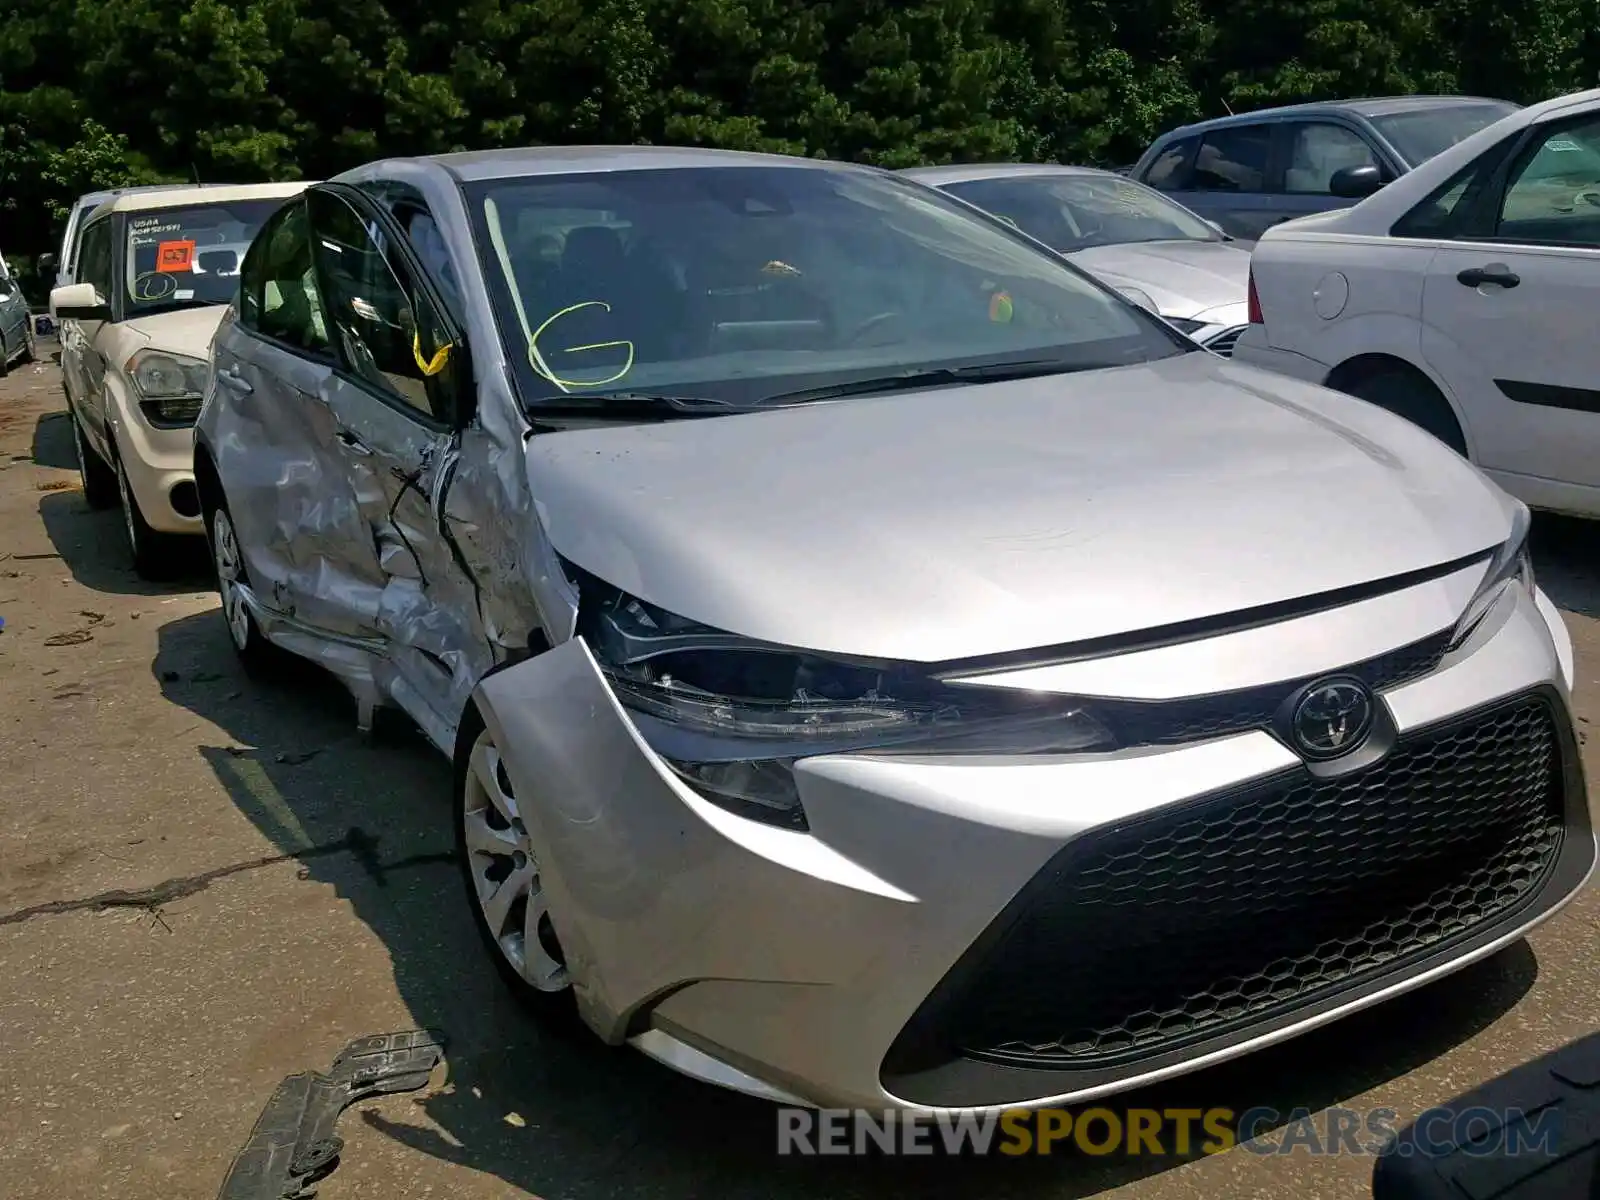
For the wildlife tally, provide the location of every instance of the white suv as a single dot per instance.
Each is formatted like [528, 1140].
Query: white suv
[1461, 296]
[155, 271]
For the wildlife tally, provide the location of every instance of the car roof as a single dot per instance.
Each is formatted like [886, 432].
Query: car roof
[96, 199]
[184, 195]
[966, 172]
[1366, 106]
[173, 197]
[473, 165]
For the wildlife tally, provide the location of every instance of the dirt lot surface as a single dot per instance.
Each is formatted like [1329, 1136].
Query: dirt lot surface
[209, 883]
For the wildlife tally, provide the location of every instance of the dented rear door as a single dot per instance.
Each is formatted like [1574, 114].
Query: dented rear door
[272, 434]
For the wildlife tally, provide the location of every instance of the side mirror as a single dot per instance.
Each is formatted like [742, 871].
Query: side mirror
[78, 302]
[1353, 183]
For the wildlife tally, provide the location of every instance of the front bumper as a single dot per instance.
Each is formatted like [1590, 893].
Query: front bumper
[893, 955]
[160, 467]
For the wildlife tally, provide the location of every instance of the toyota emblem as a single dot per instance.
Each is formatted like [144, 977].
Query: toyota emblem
[1332, 718]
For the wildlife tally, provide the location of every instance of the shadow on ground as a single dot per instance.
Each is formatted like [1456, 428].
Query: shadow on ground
[94, 547]
[1566, 560]
[371, 817]
[52, 442]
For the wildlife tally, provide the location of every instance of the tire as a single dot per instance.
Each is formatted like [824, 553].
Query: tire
[495, 852]
[1413, 397]
[99, 481]
[152, 553]
[256, 654]
[30, 348]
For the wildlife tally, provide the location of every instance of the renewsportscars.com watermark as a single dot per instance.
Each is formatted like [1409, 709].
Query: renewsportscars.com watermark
[1177, 1132]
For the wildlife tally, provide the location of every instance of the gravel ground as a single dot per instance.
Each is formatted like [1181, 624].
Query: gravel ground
[208, 883]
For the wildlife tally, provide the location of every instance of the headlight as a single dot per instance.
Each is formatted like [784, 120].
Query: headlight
[162, 376]
[171, 386]
[1511, 566]
[731, 716]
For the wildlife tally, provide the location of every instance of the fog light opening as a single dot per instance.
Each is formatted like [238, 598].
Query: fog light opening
[185, 499]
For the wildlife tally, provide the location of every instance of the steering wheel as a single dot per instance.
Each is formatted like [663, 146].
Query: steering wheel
[865, 327]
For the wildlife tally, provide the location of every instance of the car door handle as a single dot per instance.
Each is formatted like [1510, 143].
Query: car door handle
[352, 443]
[1496, 273]
[230, 377]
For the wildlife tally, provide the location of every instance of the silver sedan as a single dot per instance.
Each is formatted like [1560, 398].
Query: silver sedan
[882, 665]
[1142, 243]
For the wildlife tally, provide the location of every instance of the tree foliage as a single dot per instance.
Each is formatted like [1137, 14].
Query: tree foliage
[100, 92]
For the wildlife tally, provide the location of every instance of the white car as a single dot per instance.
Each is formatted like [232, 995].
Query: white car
[1461, 296]
[154, 271]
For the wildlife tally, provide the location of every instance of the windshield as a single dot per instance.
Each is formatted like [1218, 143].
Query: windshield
[1422, 133]
[178, 257]
[1072, 212]
[744, 283]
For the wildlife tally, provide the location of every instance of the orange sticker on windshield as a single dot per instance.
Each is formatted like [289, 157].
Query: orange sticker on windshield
[175, 256]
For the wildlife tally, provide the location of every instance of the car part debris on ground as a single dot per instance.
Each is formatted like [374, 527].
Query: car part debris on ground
[293, 1145]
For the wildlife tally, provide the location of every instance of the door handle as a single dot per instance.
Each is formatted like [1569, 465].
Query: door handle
[352, 443]
[230, 377]
[1496, 273]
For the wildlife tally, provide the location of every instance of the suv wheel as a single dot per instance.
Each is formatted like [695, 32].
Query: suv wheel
[152, 552]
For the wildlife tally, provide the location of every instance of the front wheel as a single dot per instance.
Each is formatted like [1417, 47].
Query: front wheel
[152, 552]
[501, 869]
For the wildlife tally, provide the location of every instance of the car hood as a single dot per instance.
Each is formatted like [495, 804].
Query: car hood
[186, 331]
[975, 520]
[1183, 278]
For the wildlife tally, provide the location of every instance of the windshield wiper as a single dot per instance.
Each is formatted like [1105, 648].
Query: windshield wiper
[905, 381]
[635, 404]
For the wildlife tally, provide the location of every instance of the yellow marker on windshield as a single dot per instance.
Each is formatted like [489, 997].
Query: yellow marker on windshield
[537, 360]
[1000, 308]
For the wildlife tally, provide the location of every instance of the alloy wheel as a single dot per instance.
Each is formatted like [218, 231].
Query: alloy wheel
[225, 554]
[82, 451]
[505, 872]
[126, 494]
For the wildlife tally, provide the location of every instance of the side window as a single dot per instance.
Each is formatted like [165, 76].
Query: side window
[278, 293]
[1553, 189]
[1455, 209]
[1169, 172]
[94, 257]
[387, 331]
[1233, 159]
[422, 229]
[1317, 150]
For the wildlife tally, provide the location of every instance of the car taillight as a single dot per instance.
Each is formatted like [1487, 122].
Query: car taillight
[1252, 302]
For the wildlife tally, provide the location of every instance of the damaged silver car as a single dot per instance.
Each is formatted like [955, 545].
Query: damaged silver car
[883, 666]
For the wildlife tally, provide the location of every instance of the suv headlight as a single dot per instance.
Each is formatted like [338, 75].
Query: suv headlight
[1511, 566]
[170, 386]
[731, 716]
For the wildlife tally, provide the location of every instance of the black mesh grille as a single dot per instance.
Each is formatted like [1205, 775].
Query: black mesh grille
[1168, 722]
[1188, 926]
